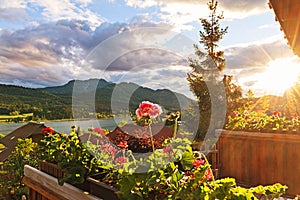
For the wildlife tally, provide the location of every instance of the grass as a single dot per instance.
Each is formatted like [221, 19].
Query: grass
[4, 117]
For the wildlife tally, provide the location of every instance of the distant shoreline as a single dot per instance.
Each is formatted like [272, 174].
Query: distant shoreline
[64, 125]
[54, 120]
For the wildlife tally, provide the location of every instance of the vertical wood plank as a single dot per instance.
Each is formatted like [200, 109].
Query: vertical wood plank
[261, 158]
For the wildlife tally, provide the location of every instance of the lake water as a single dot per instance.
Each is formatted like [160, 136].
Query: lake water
[65, 126]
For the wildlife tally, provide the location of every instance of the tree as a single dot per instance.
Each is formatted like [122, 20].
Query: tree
[234, 99]
[206, 68]
[291, 98]
[211, 35]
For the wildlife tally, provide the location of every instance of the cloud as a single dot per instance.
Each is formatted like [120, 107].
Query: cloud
[9, 14]
[57, 10]
[13, 10]
[157, 77]
[146, 57]
[249, 63]
[255, 55]
[44, 54]
[53, 53]
[48, 10]
[141, 3]
[125, 46]
[245, 6]
[182, 12]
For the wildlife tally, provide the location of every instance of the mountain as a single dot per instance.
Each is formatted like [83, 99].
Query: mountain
[84, 97]
[87, 85]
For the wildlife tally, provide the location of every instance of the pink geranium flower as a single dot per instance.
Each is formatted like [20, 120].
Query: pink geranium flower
[148, 109]
[198, 162]
[108, 149]
[121, 160]
[168, 150]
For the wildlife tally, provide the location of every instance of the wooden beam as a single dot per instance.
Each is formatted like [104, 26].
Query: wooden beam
[48, 186]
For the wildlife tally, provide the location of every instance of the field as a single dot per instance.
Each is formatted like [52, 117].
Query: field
[4, 118]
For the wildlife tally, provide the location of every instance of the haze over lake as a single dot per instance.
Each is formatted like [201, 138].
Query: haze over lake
[65, 126]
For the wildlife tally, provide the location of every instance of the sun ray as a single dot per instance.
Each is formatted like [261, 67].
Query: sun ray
[280, 75]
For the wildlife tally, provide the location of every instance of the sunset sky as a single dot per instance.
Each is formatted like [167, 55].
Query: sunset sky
[49, 42]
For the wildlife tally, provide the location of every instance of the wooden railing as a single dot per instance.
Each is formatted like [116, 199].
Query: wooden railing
[260, 158]
[45, 187]
[251, 158]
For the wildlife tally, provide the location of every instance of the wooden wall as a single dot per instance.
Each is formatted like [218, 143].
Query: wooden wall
[260, 158]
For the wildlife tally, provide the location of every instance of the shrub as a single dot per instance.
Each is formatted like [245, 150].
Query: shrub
[11, 178]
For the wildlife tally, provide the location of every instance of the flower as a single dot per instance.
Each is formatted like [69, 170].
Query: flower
[48, 129]
[168, 150]
[123, 144]
[107, 148]
[236, 113]
[154, 175]
[148, 109]
[295, 116]
[198, 162]
[173, 180]
[99, 130]
[121, 160]
[229, 116]
[208, 175]
[276, 113]
[145, 112]
[246, 113]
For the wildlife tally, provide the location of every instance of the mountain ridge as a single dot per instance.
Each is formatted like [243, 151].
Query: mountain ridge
[56, 102]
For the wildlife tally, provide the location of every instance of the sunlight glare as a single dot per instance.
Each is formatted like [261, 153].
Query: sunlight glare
[280, 75]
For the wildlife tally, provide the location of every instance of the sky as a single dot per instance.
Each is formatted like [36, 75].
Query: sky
[148, 42]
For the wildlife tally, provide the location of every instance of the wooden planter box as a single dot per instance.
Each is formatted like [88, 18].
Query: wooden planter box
[43, 185]
[254, 158]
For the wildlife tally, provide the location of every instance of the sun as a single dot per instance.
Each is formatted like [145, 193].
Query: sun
[279, 76]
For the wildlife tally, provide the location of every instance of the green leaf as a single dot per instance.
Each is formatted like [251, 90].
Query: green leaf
[187, 160]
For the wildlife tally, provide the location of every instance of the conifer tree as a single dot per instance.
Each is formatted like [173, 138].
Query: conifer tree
[207, 67]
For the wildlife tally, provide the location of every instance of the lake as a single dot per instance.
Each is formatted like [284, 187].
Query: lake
[65, 126]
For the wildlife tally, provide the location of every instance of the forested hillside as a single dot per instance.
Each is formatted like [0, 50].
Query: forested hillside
[56, 102]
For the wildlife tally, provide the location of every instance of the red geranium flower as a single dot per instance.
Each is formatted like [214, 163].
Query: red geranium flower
[123, 144]
[99, 130]
[208, 175]
[198, 162]
[236, 113]
[276, 113]
[295, 116]
[48, 129]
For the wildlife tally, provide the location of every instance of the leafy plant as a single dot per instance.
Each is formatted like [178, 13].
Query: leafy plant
[260, 122]
[173, 171]
[69, 154]
[187, 175]
[11, 178]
